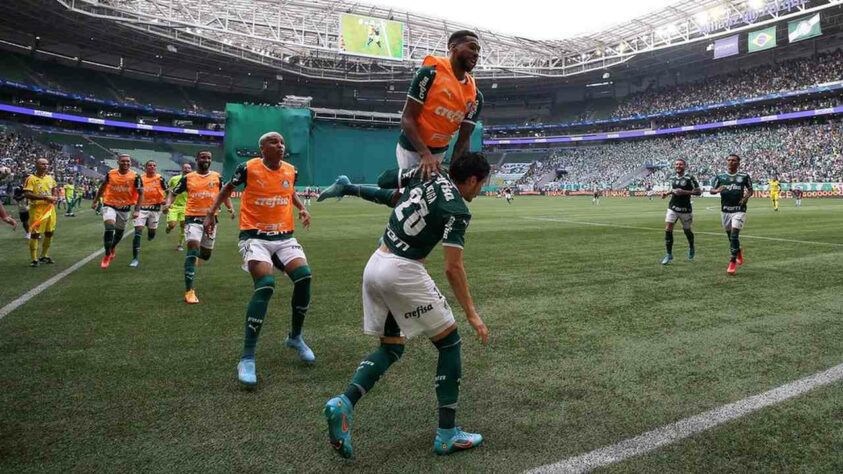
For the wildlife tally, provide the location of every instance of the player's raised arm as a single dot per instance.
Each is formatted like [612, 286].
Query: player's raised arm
[467, 128]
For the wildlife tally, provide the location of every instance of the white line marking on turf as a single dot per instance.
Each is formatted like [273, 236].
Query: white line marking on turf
[618, 226]
[5, 310]
[684, 428]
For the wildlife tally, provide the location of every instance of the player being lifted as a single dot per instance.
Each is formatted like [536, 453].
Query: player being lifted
[735, 189]
[120, 189]
[775, 188]
[400, 299]
[683, 186]
[266, 240]
[442, 101]
[154, 196]
[202, 187]
[175, 214]
[374, 36]
[41, 191]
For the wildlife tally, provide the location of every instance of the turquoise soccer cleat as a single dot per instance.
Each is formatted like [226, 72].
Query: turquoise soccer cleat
[246, 372]
[455, 439]
[667, 259]
[338, 413]
[691, 254]
[297, 343]
[335, 190]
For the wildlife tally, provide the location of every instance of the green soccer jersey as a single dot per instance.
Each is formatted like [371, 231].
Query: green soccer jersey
[428, 212]
[181, 199]
[685, 182]
[733, 190]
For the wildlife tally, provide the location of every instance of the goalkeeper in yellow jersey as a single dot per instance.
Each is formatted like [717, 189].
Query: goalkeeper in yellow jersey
[41, 190]
[775, 187]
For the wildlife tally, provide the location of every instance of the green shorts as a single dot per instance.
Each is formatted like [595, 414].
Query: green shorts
[176, 214]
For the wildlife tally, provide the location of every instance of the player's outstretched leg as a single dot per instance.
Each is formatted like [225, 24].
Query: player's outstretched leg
[300, 303]
[338, 410]
[255, 314]
[343, 187]
[450, 438]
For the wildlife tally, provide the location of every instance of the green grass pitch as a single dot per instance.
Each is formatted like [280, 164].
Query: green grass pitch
[592, 342]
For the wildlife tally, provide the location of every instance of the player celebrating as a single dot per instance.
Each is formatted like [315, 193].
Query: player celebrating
[121, 189]
[507, 193]
[775, 187]
[682, 188]
[154, 196]
[374, 36]
[41, 191]
[442, 100]
[735, 189]
[266, 239]
[400, 299]
[202, 187]
[176, 211]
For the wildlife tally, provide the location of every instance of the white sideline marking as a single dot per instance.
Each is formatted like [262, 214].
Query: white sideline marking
[5, 310]
[743, 236]
[684, 428]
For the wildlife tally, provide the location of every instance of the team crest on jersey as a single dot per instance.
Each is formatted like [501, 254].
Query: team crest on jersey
[285, 184]
[740, 179]
[682, 182]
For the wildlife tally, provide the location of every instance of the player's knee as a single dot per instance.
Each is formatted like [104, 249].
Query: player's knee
[138, 231]
[49, 235]
[205, 254]
[301, 274]
[109, 226]
[395, 351]
[265, 282]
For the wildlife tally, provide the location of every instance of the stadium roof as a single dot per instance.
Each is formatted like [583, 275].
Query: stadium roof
[302, 36]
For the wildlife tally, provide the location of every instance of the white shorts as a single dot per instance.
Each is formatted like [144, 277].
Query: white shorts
[261, 250]
[508, 196]
[402, 287]
[687, 218]
[733, 220]
[120, 218]
[148, 218]
[196, 233]
[410, 159]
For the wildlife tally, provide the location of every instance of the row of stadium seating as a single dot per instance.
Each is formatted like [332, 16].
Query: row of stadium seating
[811, 152]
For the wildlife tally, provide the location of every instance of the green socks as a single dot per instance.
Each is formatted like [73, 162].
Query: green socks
[369, 193]
[136, 241]
[690, 236]
[108, 238]
[301, 277]
[668, 241]
[735, 242]
[255, 313]
[190, 268]
[448, 374]
[371, 369]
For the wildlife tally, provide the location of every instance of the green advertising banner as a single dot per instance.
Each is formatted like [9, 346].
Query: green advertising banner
[803, 29]
[762, 39]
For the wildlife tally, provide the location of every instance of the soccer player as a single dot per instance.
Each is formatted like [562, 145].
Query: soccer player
[508, 194]
[595, 197]
[266, 240]
[61, 200]
[735, 189]
[374, 36]
[775, 187]
[23, 208]
[70, 196]
[120, 189]
[797, 196]
[41, 190]
[176, 211]
[443, 100]
[154, 196]
[202, 187]
[400, 299]
[307, 193]
[683, 186]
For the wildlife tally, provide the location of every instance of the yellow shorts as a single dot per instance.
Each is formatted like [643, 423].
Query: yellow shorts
[175, 214]
[42, 220]
[774, 196]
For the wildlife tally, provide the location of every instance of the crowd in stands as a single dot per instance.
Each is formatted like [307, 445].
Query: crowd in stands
[20, 152]
[785, 76]
[793, 153]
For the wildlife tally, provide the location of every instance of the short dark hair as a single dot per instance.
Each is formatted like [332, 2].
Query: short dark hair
[459, 36]
[736, 156]
[204, 151]
[682, 160]
[468, 165]
[150, 161]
